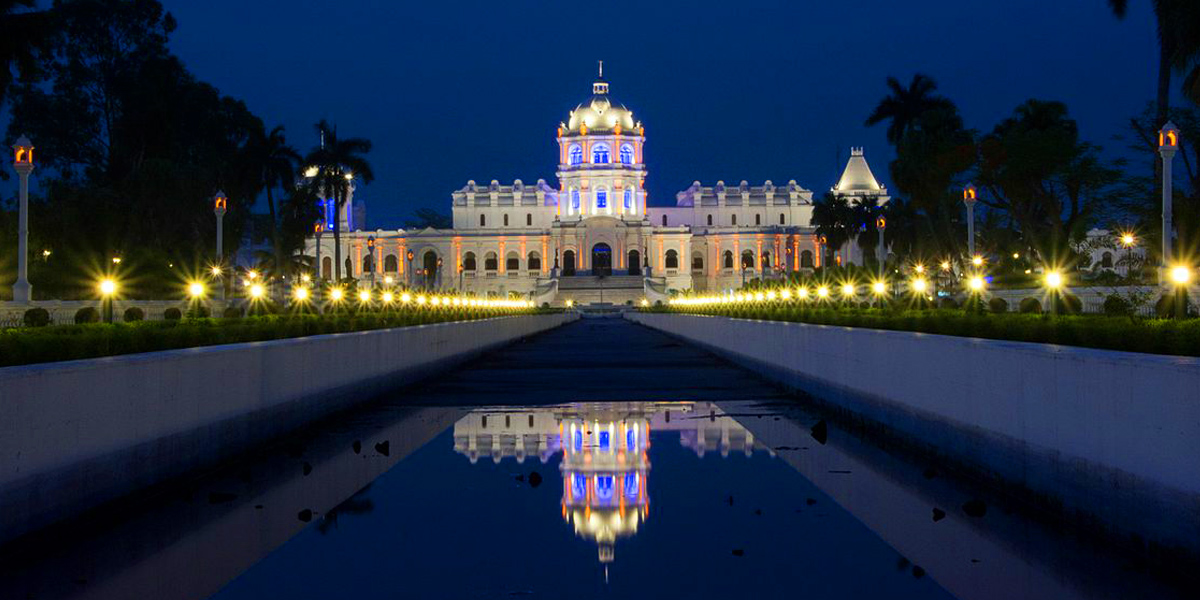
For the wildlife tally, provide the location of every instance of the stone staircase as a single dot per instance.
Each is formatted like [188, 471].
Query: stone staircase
[613, 289]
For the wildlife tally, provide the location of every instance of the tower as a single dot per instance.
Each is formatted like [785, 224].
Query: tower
[600, 166]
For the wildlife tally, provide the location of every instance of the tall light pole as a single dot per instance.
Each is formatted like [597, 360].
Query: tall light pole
[969, 198]
[409, 256]
[220, 203]
[880, 252]
[317, 234]
[371, 251]
[23, 165]
[1168, 143]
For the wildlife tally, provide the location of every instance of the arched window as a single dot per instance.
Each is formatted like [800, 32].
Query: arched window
[568, 262]
[490, 262]
[535, 261]
[326, 268]
[349, 272]
[626, 154]
[469, 261]
[672, 261]
[483, 220]
[512, 262]
[782, 219]
[727, 259]
[575, 199]
[1106, 260]
[733, 220]
[528, 220]
[575, 154]
[757, 219]
[664, 220]
[391, 264]
[368, 264]
[747, 260]
[601, 198]
[600, 154]
[697, 261]
[766, 260]
[506, 220]
[806, 259]
[635, 262]
[710, 220]
[628, 200]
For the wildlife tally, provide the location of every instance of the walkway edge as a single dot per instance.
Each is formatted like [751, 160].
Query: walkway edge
[78, 434]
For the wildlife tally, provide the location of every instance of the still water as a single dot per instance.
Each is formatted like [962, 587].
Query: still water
[628, 499]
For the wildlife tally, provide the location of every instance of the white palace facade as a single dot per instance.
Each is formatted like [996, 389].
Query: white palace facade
[592, 237]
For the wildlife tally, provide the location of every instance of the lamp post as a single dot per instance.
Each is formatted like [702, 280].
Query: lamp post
[23, 165]
[317, 267]
[880, 252]
[969, 197]
[1127, 240]
[371, 252]
[220, 203]
[437, 278]
[1168, 143]
[409, 256]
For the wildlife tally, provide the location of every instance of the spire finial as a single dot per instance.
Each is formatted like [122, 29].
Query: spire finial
[601, 69]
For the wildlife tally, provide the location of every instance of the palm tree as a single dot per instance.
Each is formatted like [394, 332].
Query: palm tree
[1178, 48]
[904, 106]
[334, 164]
[273, 163]
[23, 32]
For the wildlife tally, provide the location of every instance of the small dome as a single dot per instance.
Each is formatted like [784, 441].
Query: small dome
[601, 115]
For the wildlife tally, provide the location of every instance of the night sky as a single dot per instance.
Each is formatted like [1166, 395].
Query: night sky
[451, 91]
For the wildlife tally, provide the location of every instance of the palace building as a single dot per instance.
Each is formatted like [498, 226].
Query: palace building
[592, 237]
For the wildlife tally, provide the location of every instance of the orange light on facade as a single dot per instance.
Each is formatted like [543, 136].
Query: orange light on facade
[970, 195]
[881, 222]
[1168, 138]
[23, 151]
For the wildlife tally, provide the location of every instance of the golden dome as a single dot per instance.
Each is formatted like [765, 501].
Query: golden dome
[601, 115]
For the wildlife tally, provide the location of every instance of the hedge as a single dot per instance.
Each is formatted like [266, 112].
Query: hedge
[91, 340]
[1153, 336]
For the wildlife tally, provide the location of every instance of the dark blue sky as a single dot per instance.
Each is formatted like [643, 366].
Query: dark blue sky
[457, 90]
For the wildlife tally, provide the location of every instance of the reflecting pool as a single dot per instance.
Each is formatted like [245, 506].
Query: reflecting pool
[757, 499]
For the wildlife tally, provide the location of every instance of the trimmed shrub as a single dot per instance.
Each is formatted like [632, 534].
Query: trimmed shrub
[1117, 305]
[1030, 306]
[87, 314]
[198, 311]
[1165, 307]
[232, 312]
[37, 317]
[948, 302]
[172, 314]
[134, 314]
[1071, 304]
[998, 305]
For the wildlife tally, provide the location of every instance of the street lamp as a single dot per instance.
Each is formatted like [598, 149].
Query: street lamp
[317, 235]
[1128, 241]
[970, 195]
[410, 271]
[220, 203]
[108, 288]
[880, 252]
[1181, 275]
[1054, 282]
[23, 165]
[371, 251]
[1168, 144]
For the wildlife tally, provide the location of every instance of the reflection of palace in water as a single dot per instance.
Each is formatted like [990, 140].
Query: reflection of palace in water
[604, 445]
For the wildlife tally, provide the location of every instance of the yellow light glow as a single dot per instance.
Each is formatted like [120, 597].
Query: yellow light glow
[879, 287]
[256, 291]
[435, 301]
[405, 298]
[976, 283]
[388, 297]
[645, 302]
[195, 289]
[771, 295]
[977, 260]
[252, 275]
[919, 285]
[802, 293]
[108, 287]
[823, 292]
[570, 303]
[945, 265]
[1016, 255]
[116, 260]
[848, 289]
[421, 300]
[388, 280]
[1127, 239]
[300, 293]
[786, 294]
[336, 294]
[919, 268]
[457, 302]
[1181, 275]
[1054, 280]
[216, 271]
[759, 297]
[305, 278]
[364, 296]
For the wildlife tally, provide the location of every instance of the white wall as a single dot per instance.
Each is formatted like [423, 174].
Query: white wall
[75, 434]
[1060, 420]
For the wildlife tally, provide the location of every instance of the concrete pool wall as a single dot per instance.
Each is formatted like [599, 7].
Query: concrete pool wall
[74, 435]
[1115, 435]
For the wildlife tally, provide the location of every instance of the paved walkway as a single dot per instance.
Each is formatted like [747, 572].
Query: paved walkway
[593, 359]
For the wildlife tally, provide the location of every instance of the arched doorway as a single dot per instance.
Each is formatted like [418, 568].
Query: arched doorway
[429, 262]
[601, 259]
[635, 262]
[568, 262]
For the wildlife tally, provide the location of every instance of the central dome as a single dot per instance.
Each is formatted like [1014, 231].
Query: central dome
[601, 115]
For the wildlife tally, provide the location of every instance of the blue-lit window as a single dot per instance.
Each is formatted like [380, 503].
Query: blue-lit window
[604, 487]
[575, 199]
[631, 486]
[600, 154]
[630, 442]
[578, 441]
[604, 443]
[578, 486]
[628, 199]
[626, 154]
[601, 198]
[575, 154]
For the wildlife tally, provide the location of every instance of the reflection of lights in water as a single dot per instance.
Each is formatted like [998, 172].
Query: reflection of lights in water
[605, 464]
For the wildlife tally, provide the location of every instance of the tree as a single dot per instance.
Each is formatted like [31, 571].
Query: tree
[838, 220]
[428, 217]
[24, 34]
[273, 164]
[904, 106]
[1178, 24]
[336, 162]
